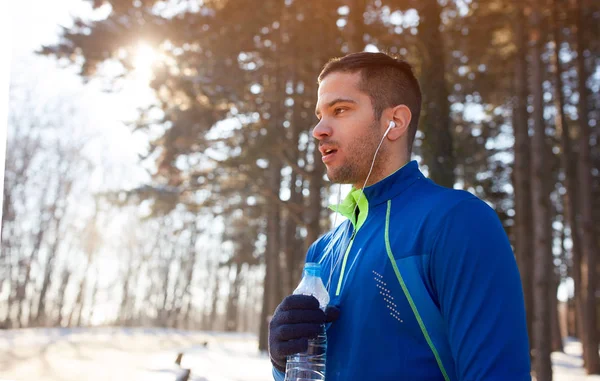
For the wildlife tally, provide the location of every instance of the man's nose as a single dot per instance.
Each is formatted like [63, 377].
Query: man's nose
[321, 130]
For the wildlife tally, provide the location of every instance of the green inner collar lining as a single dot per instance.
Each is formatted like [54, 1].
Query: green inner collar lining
[346, 208]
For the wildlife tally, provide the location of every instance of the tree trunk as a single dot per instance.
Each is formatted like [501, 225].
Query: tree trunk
[189, 272]
[93, 297]
[215, 299]
[294, 249]
[263, 335]
[272, 284]
[176, 297]
[588, 243]
[522, 175]
[76, 312]
[57, 214]
[438, 151]
[542, 271]
[557, 344]
[243, 305]
[41, 315]
[43, 227]
[205, 286]
[314, 207]
[125, 298]
[66, 275]
[22, 148]
[567, 161]
[164, 313]
[19, 298]
[354, 30]
[291, 245]
[234, 299]
[272, 292]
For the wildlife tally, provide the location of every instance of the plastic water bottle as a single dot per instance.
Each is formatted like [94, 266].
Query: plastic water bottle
[310, 365]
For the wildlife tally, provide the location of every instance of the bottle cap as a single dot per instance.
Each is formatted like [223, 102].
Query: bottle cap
[313, 268]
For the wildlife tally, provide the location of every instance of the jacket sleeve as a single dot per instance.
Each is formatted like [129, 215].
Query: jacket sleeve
[475, 277]
[278, 375]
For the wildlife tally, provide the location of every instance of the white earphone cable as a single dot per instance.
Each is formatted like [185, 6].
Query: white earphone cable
[340, 254]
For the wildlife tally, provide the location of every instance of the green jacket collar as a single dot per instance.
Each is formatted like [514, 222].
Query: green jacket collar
[348, 206]
[377, 193]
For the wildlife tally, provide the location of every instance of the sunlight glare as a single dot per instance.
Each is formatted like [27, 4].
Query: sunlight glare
[137, 90]
[143, 61]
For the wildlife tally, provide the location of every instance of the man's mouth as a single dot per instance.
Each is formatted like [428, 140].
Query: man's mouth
[328, 155]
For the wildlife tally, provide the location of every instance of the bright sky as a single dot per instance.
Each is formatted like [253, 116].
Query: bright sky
[114, 149]
[32, 29]
[5, 40]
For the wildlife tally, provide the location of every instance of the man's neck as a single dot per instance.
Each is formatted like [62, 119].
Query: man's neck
[390, 169]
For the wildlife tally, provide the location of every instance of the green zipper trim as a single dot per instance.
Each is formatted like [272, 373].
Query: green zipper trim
[339, 286]
[347, 209]
[407, 293]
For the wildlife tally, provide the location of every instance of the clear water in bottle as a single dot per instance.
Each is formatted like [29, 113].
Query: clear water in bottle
[310, 365]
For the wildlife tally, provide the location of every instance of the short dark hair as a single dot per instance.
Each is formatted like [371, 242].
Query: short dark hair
[388, 80]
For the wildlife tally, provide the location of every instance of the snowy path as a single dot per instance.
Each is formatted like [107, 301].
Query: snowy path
[149, 354]
[126, 354]
[568, 366]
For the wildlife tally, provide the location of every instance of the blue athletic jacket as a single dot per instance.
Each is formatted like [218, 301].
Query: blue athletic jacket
[427, 285]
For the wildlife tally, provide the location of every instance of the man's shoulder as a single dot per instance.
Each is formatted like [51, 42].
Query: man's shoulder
[429, 206]
[446, 205]
[433, 198]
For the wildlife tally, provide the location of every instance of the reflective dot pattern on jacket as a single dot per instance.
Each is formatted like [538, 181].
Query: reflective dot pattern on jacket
[387, 296]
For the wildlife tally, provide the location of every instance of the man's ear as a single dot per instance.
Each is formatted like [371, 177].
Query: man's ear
[401, 116]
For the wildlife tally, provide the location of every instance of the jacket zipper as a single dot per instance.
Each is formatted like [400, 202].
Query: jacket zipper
[339, 286]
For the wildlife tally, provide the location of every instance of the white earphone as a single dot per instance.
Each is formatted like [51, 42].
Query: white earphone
[391, 125]
[335, 264]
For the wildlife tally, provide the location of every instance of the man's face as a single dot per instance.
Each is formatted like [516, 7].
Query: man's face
[347, 132]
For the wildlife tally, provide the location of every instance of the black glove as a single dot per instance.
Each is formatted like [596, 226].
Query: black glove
[297, 319]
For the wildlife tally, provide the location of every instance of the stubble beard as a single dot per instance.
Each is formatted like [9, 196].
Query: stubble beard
[359, 158]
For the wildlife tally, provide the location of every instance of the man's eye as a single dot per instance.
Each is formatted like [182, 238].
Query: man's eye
[338, 110]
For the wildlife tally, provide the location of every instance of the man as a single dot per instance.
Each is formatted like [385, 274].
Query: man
[423, 277]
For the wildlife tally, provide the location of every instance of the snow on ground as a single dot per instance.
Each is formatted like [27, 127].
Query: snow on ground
[128, 354]
[138, 354]
[568, 366]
